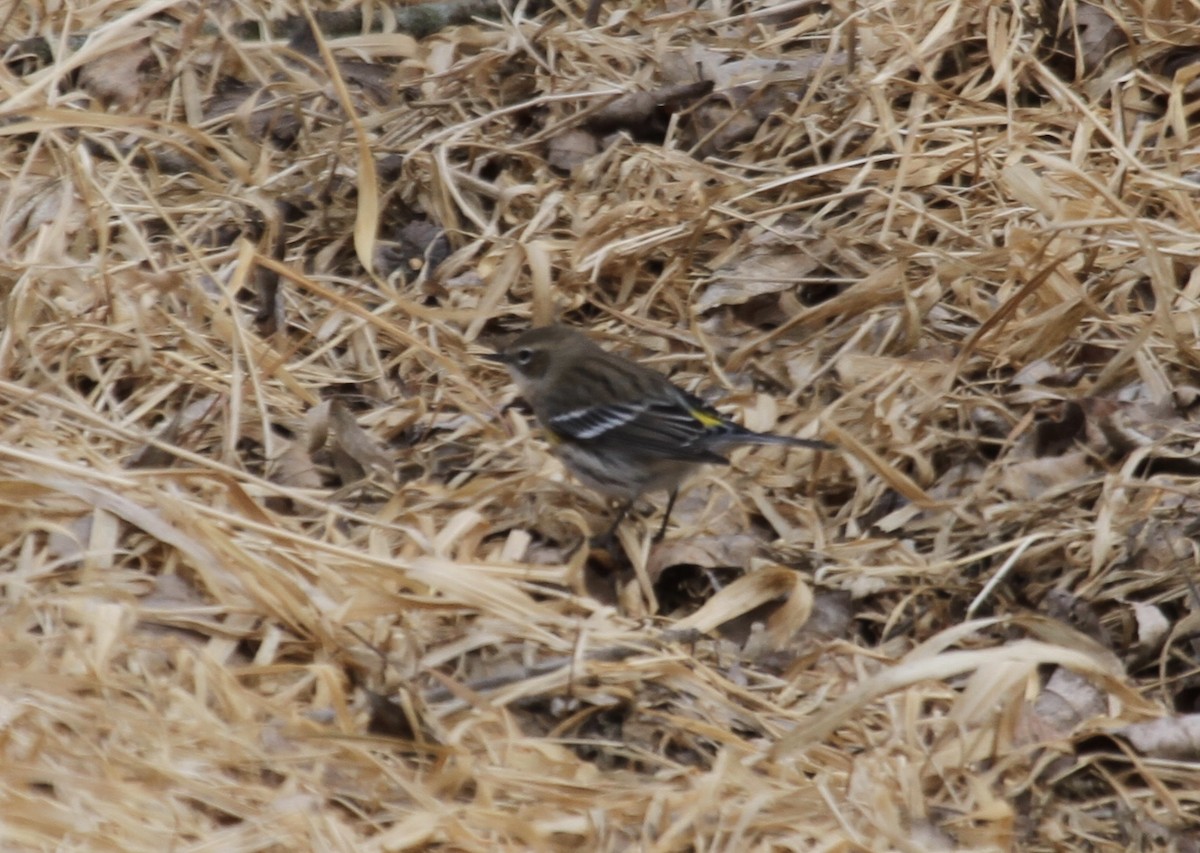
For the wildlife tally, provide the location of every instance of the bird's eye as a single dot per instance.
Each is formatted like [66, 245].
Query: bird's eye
[524, 356]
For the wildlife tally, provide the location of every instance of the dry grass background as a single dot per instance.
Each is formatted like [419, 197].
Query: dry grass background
[282, 569]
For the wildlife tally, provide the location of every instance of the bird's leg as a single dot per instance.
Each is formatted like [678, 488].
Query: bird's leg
[608, 538]
[662, 530]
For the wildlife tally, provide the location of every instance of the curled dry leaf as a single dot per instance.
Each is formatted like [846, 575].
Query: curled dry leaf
[1043, 371]
[47, 206]
[571, 148]
[1174, 738]
[1093, 31]
[746, 91]
[297, 466]
[754, 590]
[119, 78]
[776, 269]
[1078, 613]
[352, 440]
[1152, 628]
[1067, 700]
[192, 412]
[1034, 478]
[1116, 429]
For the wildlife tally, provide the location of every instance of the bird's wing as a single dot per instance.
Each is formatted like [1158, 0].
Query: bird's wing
[667, 429]
[589, 423]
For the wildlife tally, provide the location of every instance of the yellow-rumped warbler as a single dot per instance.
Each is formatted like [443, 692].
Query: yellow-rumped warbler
[621, 428]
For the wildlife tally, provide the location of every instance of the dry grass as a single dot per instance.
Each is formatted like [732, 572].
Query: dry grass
[281, 569]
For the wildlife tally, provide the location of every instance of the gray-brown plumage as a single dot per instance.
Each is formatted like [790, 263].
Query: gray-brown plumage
[621, 428]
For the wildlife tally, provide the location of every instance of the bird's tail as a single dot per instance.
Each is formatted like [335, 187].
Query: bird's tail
[746, 436]
[792, 441]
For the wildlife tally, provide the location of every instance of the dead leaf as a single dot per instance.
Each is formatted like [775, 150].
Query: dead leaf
[751, 591]
[191, 413]
[352, 440]
[1043, 371]
[775, 271]
[1172, 738]
[1078, 613]
[1092, 31]
[646, 112]
[316, 426]
[119, 78]
[1152, 629]
[1067, 700]
[782, 260]
[297, 465]
[1033, 478]
[255, 111]
[571, 148]
[706, 552]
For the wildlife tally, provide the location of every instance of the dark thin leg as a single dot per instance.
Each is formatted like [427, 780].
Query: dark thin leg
[662, 530]
[608, 538]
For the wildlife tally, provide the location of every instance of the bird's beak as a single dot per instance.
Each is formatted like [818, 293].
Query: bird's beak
[497, 357]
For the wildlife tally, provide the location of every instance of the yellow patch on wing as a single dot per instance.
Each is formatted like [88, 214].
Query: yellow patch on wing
[706, 418]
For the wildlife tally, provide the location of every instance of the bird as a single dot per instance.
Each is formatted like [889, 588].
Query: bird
[621, 428]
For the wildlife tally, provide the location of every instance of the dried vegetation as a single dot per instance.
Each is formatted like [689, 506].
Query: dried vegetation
[282, 567]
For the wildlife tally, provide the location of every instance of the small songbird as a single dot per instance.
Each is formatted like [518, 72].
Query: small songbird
[621, 428]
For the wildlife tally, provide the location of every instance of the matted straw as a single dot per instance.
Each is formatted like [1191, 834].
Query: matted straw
[284, 568]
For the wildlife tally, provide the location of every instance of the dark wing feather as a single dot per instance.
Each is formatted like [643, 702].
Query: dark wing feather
[590, 423]
[662, 429]
[671, 432]
[663, 423]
